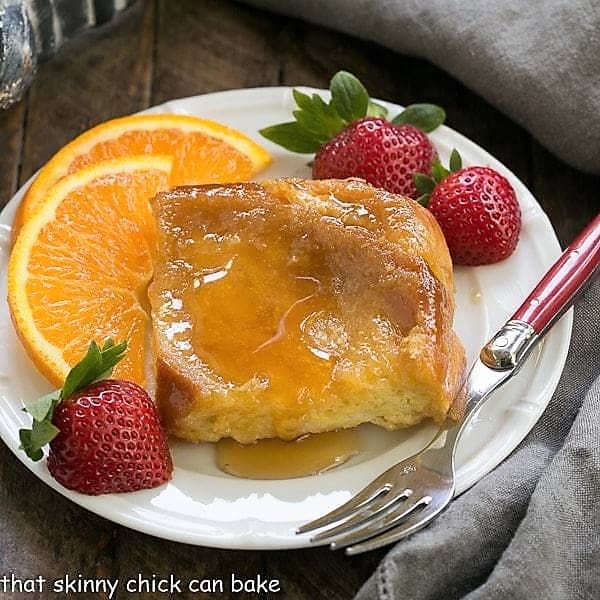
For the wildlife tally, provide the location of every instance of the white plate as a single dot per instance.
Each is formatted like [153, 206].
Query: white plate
[203, 506]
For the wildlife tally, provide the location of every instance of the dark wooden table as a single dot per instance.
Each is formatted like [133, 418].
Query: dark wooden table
[168, 49]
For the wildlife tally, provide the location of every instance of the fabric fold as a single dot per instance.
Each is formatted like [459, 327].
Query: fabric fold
[531, 528]
[536, 63]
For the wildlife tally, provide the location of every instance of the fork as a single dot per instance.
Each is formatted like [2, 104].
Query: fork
[412, 493]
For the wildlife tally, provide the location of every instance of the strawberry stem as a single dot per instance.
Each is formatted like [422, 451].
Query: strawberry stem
[425, 184]
[98, 363]
[317, 122]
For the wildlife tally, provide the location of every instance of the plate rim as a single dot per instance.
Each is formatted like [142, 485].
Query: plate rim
[249, 541]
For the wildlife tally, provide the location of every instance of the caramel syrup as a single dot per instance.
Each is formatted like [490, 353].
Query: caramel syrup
[277, 459]
[274, 309]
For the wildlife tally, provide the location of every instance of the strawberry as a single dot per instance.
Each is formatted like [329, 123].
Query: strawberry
[105, 435]
[476, 208]
[352, 138]
[384, 154]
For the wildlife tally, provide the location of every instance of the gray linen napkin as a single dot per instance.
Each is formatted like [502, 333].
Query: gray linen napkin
[539, 62]
[531, 528]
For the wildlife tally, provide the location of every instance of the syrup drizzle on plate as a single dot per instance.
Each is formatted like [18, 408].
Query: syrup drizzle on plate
[278, 459]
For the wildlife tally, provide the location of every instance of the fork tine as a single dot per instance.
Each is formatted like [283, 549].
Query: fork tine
[359, 500]
[382, 505]
[378, 524]
[411, 525]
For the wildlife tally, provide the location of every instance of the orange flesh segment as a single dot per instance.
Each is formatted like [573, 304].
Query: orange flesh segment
[88, 263]
[199, 158]
[204, 151]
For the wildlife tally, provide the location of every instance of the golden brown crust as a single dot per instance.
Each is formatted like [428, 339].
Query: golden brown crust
[384, 303]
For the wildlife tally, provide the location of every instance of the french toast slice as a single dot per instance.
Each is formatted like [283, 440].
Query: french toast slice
[296, 306]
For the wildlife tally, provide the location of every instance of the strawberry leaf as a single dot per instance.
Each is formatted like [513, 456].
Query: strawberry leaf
[313, 128]
[426, 117]
[292, 137]
[426, 184]
[97, 363]
[438, 171]
[317, 122]
[317, 117]
[376, 110]
[33, 452]
[423, 199]
[327, 115]
[41, 407]
[111, 354]
[83, 371]
[34, 439]
[108, 343]
[304, 101]
[349, 98]
[423, 183]
[455, 161]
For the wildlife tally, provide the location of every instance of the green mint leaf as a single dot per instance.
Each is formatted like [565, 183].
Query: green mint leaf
[455, 161]
[40, 408]
[423, 116]
[376, 110]
[292, 137]
[423, 183]
[349, 98]
[438, 171]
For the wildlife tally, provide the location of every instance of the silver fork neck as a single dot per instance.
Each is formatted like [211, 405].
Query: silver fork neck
[509, 347]
[498, 361]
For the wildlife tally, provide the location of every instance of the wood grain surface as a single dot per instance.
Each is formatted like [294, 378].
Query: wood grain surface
[166, 49]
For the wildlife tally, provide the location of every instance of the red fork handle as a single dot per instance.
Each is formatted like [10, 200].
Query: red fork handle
[558, 288]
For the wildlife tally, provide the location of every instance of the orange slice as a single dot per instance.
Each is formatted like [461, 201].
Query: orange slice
[81, 264]
[204, 151]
